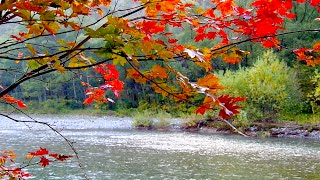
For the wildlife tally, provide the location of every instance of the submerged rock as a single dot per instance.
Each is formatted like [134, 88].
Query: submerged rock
[314, 135]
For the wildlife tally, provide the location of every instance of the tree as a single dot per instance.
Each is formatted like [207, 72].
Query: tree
[133, 36]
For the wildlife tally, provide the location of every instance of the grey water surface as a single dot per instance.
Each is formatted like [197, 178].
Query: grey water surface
[109, 148]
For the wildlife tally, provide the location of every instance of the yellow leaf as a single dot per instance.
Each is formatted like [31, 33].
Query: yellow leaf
[24, 14]
[2, 161]
[31, 49]
[61, 42]
[35, 29]
[119, 60]
[135, 61]
[51, 27]
[166, 54]
[60, 68]
[75, 62]
[46, 52]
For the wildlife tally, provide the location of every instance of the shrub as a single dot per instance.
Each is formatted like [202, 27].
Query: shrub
[143, 118]
[314, 96]
[270, 85]
[152, 118]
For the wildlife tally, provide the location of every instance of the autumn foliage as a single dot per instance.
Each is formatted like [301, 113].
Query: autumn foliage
[41, 157]
[129, 41]
[139, 34]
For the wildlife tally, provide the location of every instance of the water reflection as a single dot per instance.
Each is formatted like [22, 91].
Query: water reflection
[110, 149]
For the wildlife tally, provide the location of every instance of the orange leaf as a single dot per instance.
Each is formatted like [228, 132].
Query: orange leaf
[211, 82]
[158, 71]
[100, 12]
[88, 100]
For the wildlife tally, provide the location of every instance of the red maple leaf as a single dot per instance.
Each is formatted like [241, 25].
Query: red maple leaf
[172, 40]
[60, 157]
[200, 37]
[202, 109]
[44, 161]
[16, 37]
[152, 27]
[228, 105]
[21, 104]
[39, 152]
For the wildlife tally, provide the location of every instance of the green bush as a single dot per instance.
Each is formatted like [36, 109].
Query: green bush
[152, 118]
[314, 96]
[270, 86]
[162, 119]
[143, 119]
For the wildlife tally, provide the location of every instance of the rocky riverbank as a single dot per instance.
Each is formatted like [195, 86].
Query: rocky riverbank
[257, 129]
[270, 130]
[285, 130]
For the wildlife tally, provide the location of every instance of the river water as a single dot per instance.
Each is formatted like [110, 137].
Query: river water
[110, 148]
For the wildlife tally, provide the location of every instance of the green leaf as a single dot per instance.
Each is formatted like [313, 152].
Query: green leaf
[128, 49]
[119, 59]
[33, 64]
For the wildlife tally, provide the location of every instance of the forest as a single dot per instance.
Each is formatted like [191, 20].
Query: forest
[212, 63]
[287, 91]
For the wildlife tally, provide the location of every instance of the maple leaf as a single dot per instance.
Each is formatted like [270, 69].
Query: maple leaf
[172, 40]
[15, 37]
[233, 59]
[60, 157]
[80, 8]
[211, 84]
[211, 35]
[201, 110]
[21, 104]
[316, 46]
[88, 100]
[206, 105]
[300, 53]
[209, 13]
[194, 54]
[200, 37]
[135, 75]
[26, 5]
[151, 27]
[228, 105]
[225, 6]
[270, 43]
[40, 152]
[158, 71]
[44, 161]
[116, 85]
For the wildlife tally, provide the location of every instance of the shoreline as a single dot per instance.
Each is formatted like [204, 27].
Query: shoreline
[276, 130]
[256, 129]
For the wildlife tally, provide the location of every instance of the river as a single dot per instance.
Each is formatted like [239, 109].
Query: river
[110, 148]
